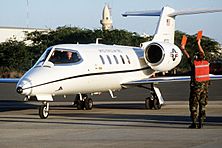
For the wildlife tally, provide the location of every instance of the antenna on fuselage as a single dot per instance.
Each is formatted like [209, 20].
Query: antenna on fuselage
[97, 40]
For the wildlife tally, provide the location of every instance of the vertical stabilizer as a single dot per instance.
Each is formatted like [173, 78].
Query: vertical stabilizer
[166, 26]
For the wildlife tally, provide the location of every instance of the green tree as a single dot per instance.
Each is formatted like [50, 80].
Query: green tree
[18, 56]
[211, 47]
[14, 56]
[72, 35]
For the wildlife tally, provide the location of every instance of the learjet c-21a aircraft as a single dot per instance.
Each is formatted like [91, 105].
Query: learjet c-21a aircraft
[94, 68]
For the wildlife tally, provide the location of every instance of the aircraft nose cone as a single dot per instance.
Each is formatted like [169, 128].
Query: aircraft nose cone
[24, 87]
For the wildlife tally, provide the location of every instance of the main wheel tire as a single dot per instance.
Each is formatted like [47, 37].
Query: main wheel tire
[88, 104]
[156, 104]
[43, 112]
[80, 105]
[148, 103]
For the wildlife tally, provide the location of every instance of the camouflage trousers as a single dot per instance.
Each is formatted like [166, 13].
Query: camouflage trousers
[198, 98]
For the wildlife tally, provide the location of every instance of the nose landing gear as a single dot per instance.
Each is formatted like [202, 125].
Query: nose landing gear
[44, 110]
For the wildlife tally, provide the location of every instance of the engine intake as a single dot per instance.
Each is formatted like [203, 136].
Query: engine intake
[154, 53]
[162, 56]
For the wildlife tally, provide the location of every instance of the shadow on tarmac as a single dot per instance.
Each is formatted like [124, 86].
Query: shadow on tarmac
[102, 119]
[20, 105]
[15, 105]
[114, 120]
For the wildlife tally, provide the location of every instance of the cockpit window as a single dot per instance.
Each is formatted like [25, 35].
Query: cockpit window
[59, 56]
[44, 56]
[64, 57]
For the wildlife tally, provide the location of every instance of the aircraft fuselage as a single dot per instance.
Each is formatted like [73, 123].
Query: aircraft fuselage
[98, 68]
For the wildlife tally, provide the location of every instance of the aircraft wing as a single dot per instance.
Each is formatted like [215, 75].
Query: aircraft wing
[166, 79]
[9, 80]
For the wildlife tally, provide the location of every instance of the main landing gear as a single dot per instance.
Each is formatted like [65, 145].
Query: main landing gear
[155, 100]
[83, 102]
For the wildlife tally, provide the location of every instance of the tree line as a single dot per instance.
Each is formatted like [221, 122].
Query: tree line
[16, 57]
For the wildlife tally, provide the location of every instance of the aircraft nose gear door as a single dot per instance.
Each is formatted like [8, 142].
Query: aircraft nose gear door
[155, 100]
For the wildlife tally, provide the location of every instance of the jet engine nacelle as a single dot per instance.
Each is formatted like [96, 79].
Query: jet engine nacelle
[162, 56]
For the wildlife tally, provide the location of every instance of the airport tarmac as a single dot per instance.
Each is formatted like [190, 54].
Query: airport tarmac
[109, 124]
[175, 91]
[117, 123]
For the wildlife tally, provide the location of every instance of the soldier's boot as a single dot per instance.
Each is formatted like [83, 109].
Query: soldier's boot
[201, 119]
[194, 120]
[200, 125]
[193, 125]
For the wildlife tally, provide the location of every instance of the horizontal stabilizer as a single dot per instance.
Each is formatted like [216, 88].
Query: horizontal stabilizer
[143, 13]
[175, 13]
[194, 11]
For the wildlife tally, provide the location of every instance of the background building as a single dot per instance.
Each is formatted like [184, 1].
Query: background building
[106, 19]
[17, 33]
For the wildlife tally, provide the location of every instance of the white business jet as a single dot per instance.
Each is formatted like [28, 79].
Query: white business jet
[94, 68]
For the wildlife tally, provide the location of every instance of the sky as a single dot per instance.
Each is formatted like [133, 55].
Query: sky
[87, 14]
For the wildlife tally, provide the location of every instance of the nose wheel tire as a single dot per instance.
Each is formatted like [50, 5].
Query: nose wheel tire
[44, 111]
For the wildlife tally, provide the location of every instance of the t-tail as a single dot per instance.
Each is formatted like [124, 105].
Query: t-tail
[166, 26]
[161, 54]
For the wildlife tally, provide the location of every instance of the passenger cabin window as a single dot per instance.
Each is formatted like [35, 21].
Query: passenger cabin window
[122, 59]
[125, 59]
[110, 62]
[128, 59]
[117, 62]
[101, 57]
[64, 57]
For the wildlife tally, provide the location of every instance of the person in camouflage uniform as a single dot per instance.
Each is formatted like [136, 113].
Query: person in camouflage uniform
[198, 97]
[198, 91]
